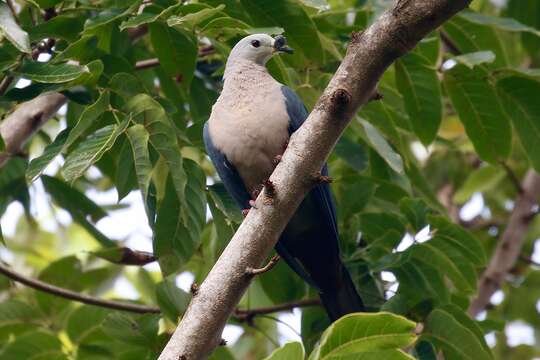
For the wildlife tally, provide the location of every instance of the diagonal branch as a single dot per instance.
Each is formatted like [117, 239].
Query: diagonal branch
[26, 119]
[369, 54]
[509, 247]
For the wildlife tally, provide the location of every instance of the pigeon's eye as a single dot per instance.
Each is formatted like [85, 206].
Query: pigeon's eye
[256, 43]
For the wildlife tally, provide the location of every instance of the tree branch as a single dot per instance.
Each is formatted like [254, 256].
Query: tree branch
[369, 54]
[26, 119]
[72, 295]
[239, 314]
[247, 314]
[509, 247]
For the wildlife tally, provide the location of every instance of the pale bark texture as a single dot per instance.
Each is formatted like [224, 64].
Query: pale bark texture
[509, 246]
[369, 54]
[26, 119]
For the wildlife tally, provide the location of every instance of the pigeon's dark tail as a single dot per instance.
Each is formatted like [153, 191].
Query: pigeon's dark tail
[343, 300]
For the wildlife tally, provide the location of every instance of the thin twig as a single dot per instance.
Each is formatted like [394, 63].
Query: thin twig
[239, 314]
[278, 320]
[275, 343]
[529, 260]
[273, 261]
[450, 45]
[145, 64]
[75, 296]
[6, 81]
[245, 314]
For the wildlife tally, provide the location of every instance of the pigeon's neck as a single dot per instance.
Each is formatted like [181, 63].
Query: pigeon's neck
[245, 73]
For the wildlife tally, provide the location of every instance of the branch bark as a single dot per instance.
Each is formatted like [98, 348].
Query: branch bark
[509, 247]
[26, 119]
[369, 54]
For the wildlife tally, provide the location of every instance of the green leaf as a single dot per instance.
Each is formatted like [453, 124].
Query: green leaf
[480, 180]
[476, 58]
[71, 199]
[352, 152]
[299, 27]
[361, 333]
[501, 23]
[176, 51]
[66, 27]
[475, 101]
[416, 212]
[84, 324]
[176, 240]
[138, 138]
[460, 239]
[193, 19]
[430, 253]
[47, 73]
[124, 176]
[527, 12]
[39, 164]
[149, 14]
[289, 351]
[12, 31]
[470, 37]
[72, 89]
[126, 85]
[90, 150]
[172, 301]
[417, 81]
[108, 16]
[88, 118]
[382, 147]
[65, 272]
[317, 4]
[36, 345]
[225, 202]
[135, 330]
[292, 287]
[353, 194]
[17, 317]
[455, 340]
[464, 319]
[163, 139]
[521, 105]
[270, 30]
[221, 353]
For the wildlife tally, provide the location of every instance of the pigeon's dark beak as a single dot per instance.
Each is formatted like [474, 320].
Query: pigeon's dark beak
[280, 45]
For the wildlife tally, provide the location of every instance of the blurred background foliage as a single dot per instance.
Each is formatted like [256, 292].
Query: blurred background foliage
[423, 179]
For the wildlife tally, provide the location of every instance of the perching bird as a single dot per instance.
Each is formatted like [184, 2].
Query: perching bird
[249, 127]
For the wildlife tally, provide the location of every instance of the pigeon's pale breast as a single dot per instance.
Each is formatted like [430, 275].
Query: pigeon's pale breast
[249, 125]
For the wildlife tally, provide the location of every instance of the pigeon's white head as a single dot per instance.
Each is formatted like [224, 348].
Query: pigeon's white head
[259, 48]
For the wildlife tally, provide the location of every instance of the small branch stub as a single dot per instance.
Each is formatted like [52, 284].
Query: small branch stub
[273, 261]
[323, 179]
[376, 96]
[341, 98]
[269, 191]
[194, 289]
